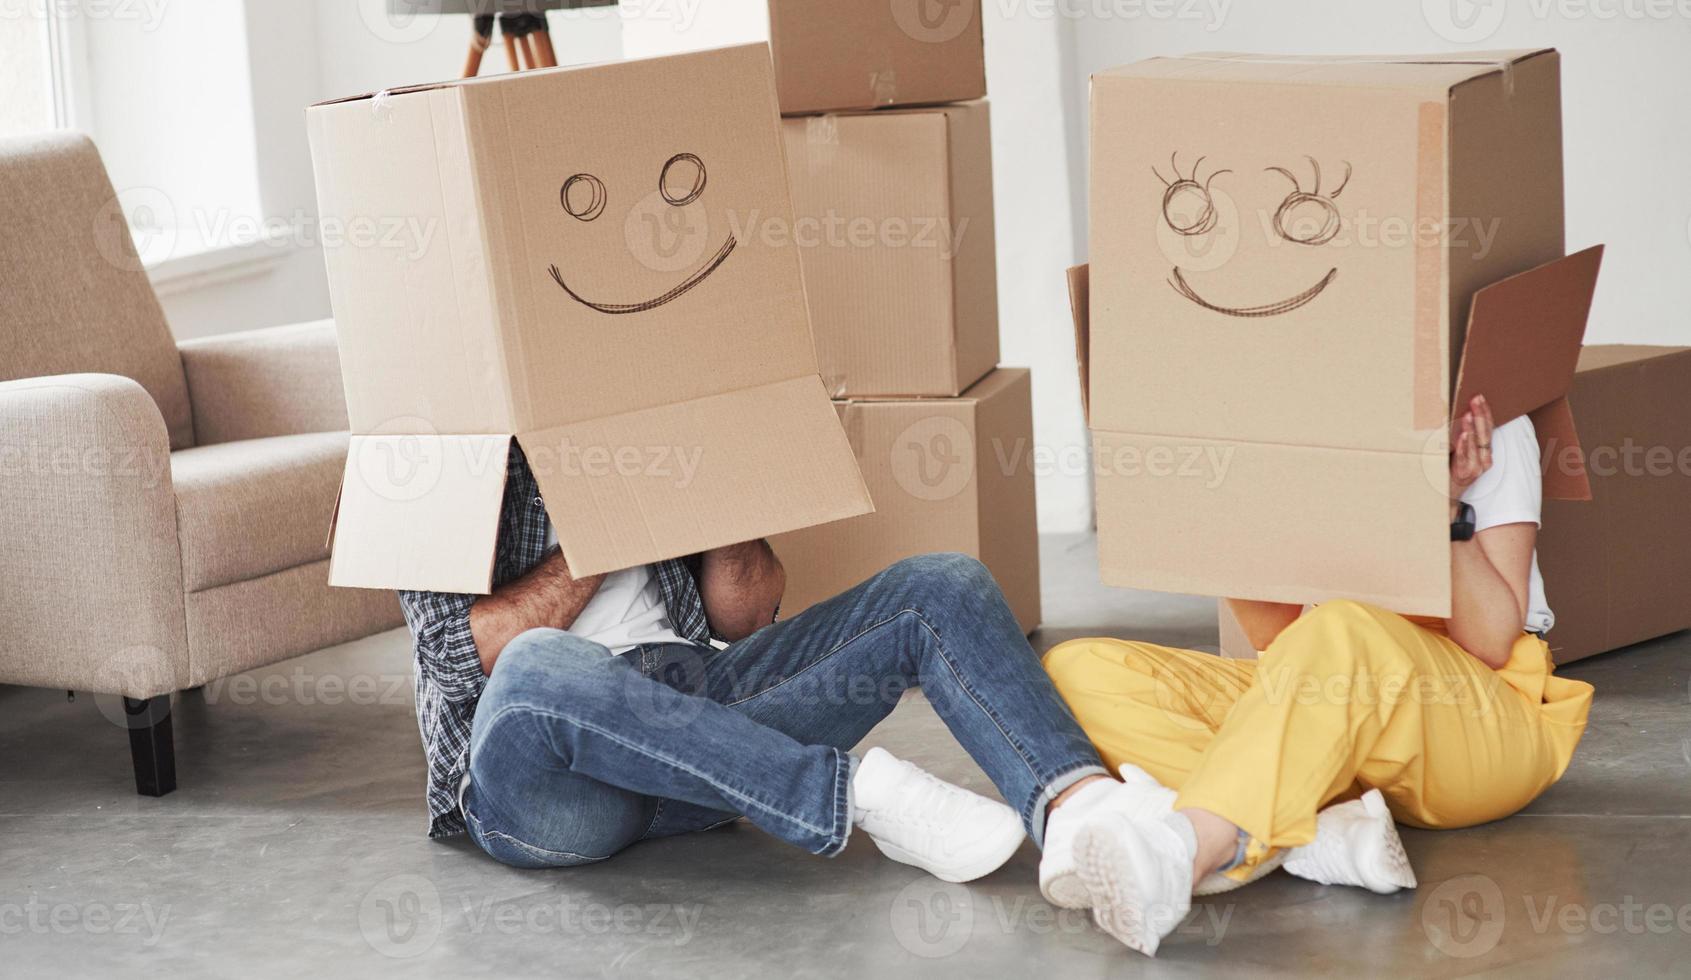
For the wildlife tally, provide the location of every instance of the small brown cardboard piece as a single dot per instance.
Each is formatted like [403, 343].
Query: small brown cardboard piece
[898, 249]
[947, 474]
[866, 54]
[579, 283]
[1523, 344]
[1270, 409]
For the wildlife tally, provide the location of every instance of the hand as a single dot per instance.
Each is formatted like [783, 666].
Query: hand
[1470, 458]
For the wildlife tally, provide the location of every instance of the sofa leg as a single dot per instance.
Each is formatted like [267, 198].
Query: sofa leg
[150, 744]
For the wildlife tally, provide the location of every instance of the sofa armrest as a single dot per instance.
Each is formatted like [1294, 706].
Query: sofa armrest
[88, 546]
[274, 382]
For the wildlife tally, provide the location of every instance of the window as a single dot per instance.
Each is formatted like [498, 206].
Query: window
[136, 77]
[34, 69]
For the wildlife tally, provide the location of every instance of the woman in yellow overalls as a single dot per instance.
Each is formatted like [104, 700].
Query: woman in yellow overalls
[1449, 722]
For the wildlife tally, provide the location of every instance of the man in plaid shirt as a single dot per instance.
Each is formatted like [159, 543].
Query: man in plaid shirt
[567, 718]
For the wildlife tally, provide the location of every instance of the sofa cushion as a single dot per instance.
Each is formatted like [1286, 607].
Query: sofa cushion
[250, 508]
[268, 619]
[76, 298]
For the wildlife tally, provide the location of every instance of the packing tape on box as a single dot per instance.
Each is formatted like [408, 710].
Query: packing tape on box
[853, 421]
[822, 131]
[379, 108]
[1506, 67]
[883, 86]
[1427, 356]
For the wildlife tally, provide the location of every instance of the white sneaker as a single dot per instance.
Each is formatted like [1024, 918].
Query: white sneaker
[1137, 795]
[1356, 843]
[918, 819]
[1138, 874]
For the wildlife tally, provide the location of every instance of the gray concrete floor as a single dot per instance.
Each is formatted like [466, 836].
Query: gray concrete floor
[295, 847]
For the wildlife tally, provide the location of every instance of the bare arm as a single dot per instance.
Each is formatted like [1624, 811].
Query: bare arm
[1263, 621]
[546, 596]
[1489, 578]
[741, 586]
[1489, 575]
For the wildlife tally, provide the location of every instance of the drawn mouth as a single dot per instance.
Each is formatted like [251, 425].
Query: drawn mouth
[1181, 286]
[710, 266]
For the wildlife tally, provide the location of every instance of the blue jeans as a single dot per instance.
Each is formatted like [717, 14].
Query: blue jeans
[576, 754]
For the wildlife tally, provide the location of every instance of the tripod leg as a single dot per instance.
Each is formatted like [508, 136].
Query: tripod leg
[511, 53]
[479, 41]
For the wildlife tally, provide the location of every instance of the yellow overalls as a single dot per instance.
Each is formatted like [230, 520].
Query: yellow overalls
[1348, 698]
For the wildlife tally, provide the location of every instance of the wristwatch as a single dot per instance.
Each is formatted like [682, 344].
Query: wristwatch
[1462, 529]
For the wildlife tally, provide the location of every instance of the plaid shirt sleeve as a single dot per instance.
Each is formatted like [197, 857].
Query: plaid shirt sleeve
[446, 650]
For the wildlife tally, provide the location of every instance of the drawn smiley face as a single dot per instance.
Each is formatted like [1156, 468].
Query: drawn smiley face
[1308, 218]
[681, 182]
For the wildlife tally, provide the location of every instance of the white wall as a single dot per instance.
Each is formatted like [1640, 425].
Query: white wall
[1626, 111]
[1037, 192]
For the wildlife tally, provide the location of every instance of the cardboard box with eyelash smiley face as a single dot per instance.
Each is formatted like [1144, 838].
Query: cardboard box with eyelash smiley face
[576, 259]
[1287, 254]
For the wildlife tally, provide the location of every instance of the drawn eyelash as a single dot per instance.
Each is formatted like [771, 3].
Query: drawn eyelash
[1207, 218]
[1316, 167]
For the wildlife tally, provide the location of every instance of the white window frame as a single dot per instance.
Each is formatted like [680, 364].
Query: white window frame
[67, 66]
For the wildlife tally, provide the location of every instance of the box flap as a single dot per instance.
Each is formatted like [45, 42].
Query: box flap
[1561, 454]
[420, 512]
[674, 480]
[1080, 288]
[1524, 339]
[1277, 523]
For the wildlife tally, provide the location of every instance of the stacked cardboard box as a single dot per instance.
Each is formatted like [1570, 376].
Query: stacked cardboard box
[889, 154]
[1617, 570]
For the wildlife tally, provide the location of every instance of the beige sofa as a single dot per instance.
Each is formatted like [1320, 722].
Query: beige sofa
[165, 507]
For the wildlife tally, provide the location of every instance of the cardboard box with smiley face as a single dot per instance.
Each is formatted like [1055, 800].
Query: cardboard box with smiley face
[577, 259]
[1298, 267]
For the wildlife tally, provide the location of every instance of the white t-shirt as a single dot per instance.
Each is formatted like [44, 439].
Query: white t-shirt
[1512, 492]
[626, 612]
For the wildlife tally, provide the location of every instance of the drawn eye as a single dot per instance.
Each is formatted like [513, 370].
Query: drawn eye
[583, 197]
[1308, 217]
[1187, 205]
[682, 180]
